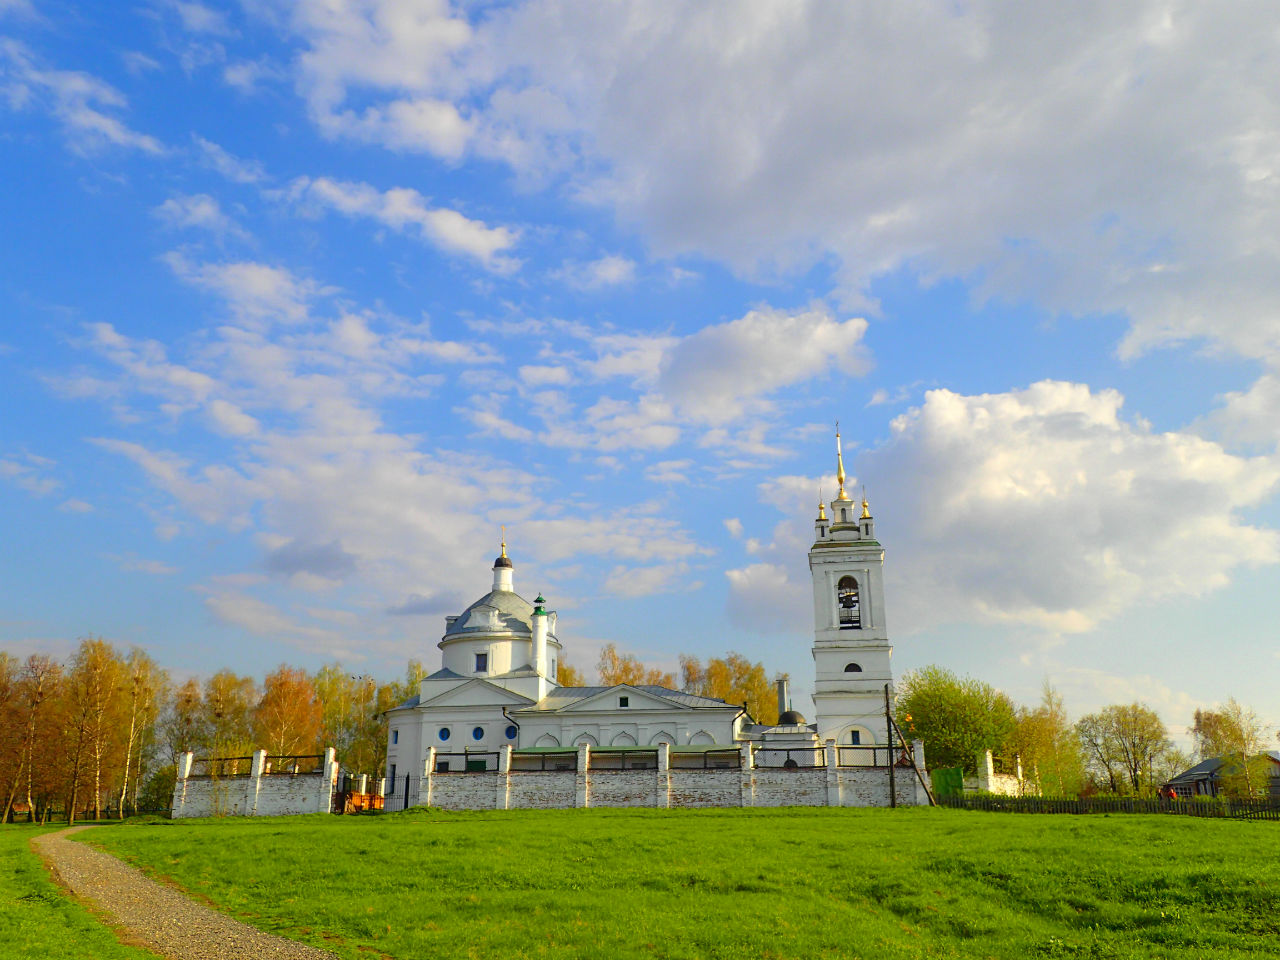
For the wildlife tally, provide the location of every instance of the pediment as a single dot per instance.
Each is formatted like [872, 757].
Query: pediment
[608, 700]
[476, 693]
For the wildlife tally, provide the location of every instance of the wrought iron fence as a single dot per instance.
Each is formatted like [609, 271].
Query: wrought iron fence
[470, 761]
[566, 760]
[1261, 809]
[729, 759]
[788, 758]
[603, 759]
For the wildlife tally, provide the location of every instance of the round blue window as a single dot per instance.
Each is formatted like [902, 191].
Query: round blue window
[477, 733]
[511, 732]
[444, 733]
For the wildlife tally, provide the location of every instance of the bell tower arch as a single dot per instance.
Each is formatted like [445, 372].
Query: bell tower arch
[851, 648]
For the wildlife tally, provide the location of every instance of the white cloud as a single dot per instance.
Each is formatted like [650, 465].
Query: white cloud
[1041, 507]
[723, 371]
[198, 18]
[80, 102]
[200, 212]
[75, 506]
[611, 270]
[534, 375]
[256, 292]
[1051, 160]
[398, 50]
[767, 598]
[228, 165]
[29, 472]
[132, 563]
[1248, 418]
[1044, 507]
[401, 208]
[668, 471]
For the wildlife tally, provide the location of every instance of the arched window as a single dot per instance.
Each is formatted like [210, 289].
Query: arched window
[852, 668]
[702, 737]
[847, 598]
[546, 740]
[586, 738]
[623, 740]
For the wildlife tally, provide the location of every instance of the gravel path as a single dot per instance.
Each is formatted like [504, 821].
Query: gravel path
[169, 923]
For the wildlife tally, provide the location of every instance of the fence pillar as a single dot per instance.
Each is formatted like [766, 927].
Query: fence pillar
[747, 763]
[257, 768]
[832, 757]
[428, 772]
[917, 753]
[178, 804]
[986, 772]
[663, 789]
[503, 801]
[581, 779]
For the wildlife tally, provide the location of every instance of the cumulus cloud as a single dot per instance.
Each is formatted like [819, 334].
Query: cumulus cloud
[227, 164]
[256, 292]
[200, 212]
[722, 371]
[1042, 158]
[395, 54]
[1100, 512]
[611, 270]
[84, 105]
[30, 473]
[1041, 507]
[401, 208]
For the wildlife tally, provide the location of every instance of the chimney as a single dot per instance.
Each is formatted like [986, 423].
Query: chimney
[539, 625]
[784, 695]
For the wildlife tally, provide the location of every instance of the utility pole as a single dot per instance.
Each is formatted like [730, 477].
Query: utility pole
[888, 730]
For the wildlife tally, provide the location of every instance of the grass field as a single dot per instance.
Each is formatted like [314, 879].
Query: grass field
[36, 919]
[735, 883]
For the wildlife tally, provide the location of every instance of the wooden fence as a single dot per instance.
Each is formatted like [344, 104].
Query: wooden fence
[1264, 809]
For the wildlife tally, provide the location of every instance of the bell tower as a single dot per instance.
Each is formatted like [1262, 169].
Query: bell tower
[851, 649]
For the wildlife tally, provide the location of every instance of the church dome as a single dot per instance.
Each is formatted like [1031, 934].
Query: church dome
[791, 718]
[497, 612]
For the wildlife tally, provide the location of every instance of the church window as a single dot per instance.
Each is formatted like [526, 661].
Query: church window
[392, 778]
[477, 733]
[624, 702]
[850, 609]
[555, 670]
[444, 733]
[844, 515]
[852, 668]
[482, 663]
[442, 766]
[395, 736]
[511, 732]
[855, 737]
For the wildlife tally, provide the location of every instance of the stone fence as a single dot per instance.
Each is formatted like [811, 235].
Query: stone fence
[261, 793]
[824, 784]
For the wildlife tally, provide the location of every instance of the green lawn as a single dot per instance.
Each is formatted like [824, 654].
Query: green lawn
[36, 919]
[735, 883]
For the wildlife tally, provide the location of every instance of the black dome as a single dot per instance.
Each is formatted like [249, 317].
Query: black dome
[790, 718]
[502, 562]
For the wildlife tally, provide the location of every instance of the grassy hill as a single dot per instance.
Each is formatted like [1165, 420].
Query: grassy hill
[734, 883]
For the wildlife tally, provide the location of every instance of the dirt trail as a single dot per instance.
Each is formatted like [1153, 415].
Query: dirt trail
[160, 917]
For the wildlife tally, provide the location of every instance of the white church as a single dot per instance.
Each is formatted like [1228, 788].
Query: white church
[497, 683]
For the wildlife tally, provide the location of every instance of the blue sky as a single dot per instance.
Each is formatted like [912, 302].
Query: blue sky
[302, 301]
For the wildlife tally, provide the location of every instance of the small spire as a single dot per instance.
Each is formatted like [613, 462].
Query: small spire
[822, 510]
[504, 542]
[840, 466]
[866, 507]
